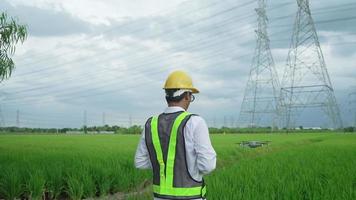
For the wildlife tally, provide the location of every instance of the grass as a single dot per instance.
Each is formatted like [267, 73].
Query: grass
[307, 172]
[70, 166]
[294, 166]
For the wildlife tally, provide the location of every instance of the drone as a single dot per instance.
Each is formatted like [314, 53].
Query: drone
[254, 144]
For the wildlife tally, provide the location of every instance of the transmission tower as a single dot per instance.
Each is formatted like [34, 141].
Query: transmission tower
[85, 118]
[306, 82]
[85, 121]
[17, 118]
[352, 106]
[2, 120]
[130, 120]
[259, 105]
[104, 118]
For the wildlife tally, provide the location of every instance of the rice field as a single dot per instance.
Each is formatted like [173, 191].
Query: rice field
[294, 166]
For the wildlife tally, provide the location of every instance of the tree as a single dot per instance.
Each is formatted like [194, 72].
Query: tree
[10, 34]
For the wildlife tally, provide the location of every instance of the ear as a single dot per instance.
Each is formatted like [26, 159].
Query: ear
[186, 96]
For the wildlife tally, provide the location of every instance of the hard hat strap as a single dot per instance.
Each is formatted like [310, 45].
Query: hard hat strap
[180, 92]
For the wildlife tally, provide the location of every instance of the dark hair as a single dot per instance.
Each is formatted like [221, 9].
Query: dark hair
[170, 98]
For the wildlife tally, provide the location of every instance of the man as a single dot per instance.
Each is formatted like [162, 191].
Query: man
[176, 145]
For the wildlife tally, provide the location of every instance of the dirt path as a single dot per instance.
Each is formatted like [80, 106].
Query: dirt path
[144, 187]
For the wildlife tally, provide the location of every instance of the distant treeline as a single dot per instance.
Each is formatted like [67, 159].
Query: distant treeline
[115, 129]
[138, 129]
[275, 130]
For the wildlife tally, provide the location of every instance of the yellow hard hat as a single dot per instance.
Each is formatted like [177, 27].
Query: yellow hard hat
[180, 80]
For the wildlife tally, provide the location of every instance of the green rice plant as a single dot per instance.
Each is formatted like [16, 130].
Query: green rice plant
[89, 189]
[103, 180]
[35, 185]
[75, 188]
[293, 166]
[128, 177]
[10, 183]
[54, 185]
[310, 171]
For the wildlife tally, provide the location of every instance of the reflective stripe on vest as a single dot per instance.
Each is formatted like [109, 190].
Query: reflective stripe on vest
[166, 180]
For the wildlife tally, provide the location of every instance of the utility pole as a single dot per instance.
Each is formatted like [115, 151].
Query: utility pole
[214, 122]
[2, 120]
[17, 118]
[260, 102]
[352, 106]
[104, 119]
[225, 121]
[130, 121]
[232, 124]
[306, 82]
[85, 121]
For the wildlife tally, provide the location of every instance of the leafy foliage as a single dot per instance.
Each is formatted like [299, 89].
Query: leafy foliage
[10, 34]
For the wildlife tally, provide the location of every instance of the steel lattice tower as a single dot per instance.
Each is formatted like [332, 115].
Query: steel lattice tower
[352, 106]
[306, 82]
[2, 121]
[260, 100]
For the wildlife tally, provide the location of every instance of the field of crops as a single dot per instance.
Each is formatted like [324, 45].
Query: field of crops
[294, 166]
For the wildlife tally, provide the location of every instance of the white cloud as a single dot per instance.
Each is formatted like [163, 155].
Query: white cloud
[101, 12]
[122, 71]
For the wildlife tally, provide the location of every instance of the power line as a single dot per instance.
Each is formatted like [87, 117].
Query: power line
[66, 63]
[63, 64]
[193, 11]
[138, 84]
[80, 60]
[124, 25]
[145, 63]
[169, 32]
[39, 88]
[116, 89]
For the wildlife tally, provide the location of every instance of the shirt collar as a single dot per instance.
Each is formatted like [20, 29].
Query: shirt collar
[173, 109]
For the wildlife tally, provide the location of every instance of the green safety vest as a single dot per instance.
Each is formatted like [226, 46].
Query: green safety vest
[169, 164]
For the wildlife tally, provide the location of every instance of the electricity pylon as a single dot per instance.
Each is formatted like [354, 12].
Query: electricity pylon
[2, 120]
[352, 106]
[306, 82]
[17, 118]
[259, 105]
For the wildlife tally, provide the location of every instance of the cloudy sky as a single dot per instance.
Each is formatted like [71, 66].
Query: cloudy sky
[110, 58]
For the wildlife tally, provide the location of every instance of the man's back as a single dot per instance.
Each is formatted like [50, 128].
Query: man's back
[200, 156]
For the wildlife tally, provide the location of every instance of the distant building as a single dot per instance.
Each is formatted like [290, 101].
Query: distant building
[312, 128]
[74, 132]
[106, 132]
[90, 132]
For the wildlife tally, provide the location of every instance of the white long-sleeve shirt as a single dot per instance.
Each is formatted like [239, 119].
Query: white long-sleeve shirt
[200, 155]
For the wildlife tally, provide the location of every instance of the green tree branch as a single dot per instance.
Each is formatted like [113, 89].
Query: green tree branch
[10, 34]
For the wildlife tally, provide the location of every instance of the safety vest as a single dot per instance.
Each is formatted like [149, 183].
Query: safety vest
[164, 136]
